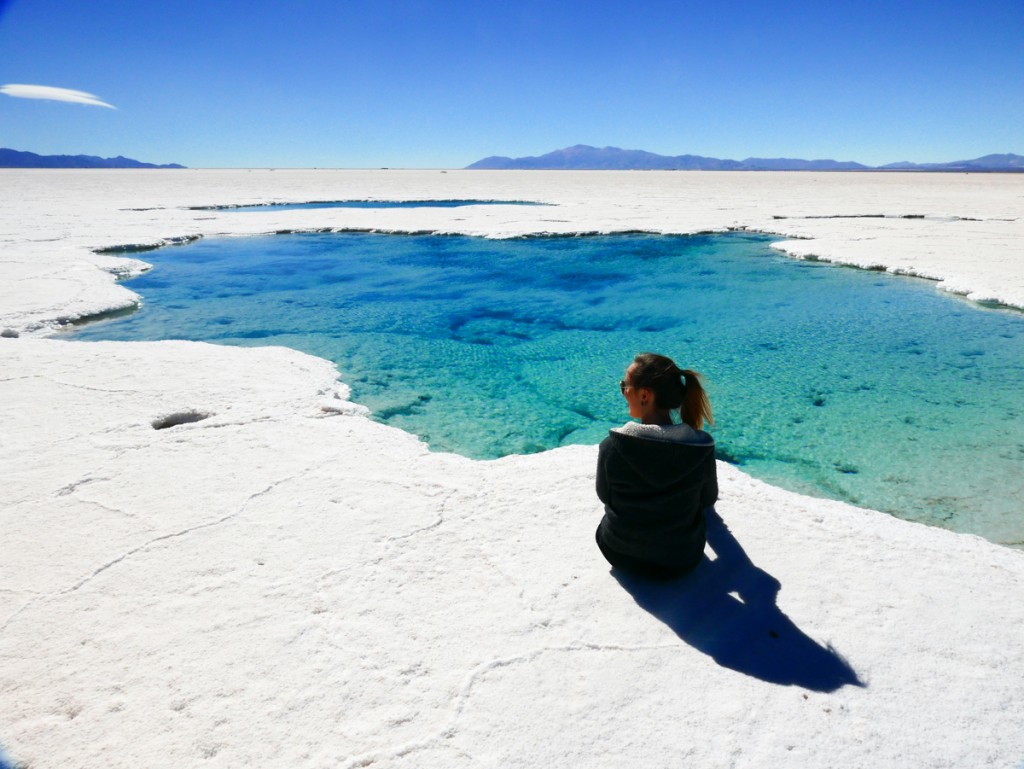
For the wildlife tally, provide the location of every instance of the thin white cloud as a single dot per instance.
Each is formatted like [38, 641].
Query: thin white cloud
[51, 93]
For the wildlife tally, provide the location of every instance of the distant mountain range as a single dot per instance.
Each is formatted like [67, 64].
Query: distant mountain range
[586, 158]
[16, 159]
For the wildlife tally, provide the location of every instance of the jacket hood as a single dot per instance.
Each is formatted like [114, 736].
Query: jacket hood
[658, 462]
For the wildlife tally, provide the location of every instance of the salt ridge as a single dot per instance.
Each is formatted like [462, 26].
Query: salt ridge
[285, 579]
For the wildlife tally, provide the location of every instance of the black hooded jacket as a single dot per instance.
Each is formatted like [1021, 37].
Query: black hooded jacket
[654, 494]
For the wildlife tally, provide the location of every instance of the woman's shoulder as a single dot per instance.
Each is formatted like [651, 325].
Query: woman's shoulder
[678, 433]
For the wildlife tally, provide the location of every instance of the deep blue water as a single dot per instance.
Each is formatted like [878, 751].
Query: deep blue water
[861, 386]
[371, 204]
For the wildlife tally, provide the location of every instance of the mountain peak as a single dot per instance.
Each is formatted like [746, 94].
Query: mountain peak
[17, 159]
[584, 157]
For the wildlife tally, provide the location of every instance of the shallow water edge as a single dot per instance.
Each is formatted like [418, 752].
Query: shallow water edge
[835, 482]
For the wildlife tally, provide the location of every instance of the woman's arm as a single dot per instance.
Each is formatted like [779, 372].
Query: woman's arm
[602, 473]
[709, 491]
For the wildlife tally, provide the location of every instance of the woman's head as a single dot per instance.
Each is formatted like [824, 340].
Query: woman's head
[669, 387]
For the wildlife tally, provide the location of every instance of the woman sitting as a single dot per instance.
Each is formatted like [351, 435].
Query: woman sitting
[656, 478]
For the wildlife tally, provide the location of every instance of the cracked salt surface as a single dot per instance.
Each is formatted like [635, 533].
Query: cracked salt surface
[344, 597]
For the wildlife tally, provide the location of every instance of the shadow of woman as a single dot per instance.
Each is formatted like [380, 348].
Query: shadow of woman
[726, 608]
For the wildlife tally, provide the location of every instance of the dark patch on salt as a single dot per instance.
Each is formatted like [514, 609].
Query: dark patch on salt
[179, 418]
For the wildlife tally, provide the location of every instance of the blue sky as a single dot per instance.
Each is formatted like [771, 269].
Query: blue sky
[411, 83]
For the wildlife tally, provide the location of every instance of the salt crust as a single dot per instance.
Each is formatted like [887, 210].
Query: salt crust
[283, 581]
[966, 231]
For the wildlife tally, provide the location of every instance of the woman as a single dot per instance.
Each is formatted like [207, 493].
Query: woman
[656, 478]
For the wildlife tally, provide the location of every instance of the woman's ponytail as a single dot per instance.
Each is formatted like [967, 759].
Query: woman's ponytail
[696, 408]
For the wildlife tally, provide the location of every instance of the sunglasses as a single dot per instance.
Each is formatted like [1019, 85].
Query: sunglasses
[623, 386]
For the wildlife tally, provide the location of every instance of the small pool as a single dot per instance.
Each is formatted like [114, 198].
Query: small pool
[861, 386]
[368, 204]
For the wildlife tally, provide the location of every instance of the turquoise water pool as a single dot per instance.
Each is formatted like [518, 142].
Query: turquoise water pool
[855, 385]
[368, 204]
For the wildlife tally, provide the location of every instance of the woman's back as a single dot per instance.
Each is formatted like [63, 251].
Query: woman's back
[656, 478]
[655, 482]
